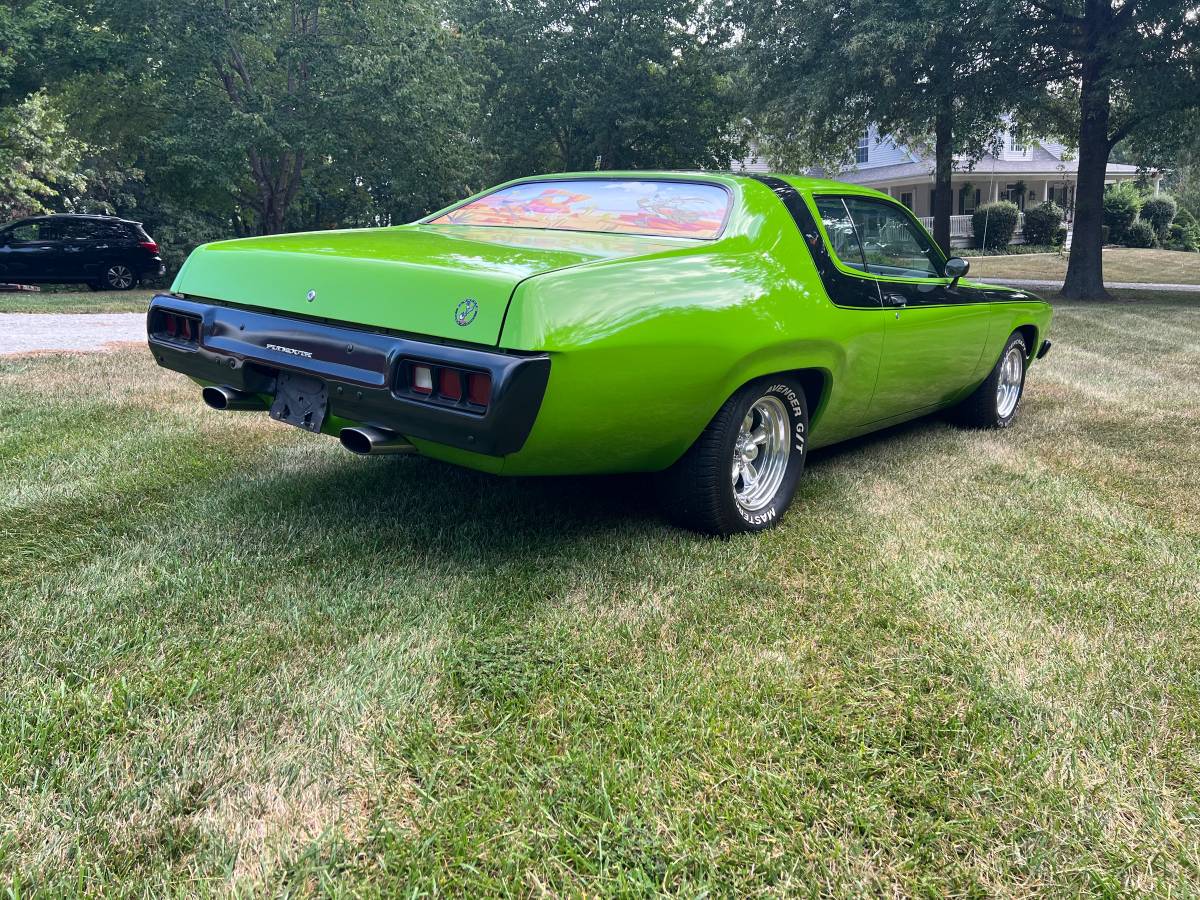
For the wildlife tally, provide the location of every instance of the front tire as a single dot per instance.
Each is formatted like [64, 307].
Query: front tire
[119, 277]
[994, 403]
[741, 473]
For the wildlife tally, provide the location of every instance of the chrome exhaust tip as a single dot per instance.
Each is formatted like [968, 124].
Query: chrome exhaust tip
[367, 441]
[227, 398]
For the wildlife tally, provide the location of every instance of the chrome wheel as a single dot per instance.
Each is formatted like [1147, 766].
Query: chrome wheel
[119, 277]
[760, 453]
[1008, 386]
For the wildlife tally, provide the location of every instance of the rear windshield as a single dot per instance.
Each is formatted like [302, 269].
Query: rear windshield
[659, 208]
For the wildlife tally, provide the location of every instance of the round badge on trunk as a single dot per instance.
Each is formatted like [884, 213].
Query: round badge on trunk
[465, 312]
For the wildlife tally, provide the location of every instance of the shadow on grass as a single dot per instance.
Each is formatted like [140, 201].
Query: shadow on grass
[419, 509]
[413, 507]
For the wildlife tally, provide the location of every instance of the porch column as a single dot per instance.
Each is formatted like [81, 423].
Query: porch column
[1046, 191]
[994, 192]
[1157, 182]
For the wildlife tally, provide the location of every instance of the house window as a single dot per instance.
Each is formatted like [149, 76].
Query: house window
[906, 198]
[863, 152]
[1016, 141]
[967, 201]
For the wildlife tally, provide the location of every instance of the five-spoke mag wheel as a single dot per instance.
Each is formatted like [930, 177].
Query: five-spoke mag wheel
[760, 453]
[994, 403]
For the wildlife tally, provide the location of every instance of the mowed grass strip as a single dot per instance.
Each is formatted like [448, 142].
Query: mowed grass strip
[50, 301]
[1121, 264]
[238, 659]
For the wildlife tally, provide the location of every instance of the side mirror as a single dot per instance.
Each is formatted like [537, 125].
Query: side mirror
[956, 268]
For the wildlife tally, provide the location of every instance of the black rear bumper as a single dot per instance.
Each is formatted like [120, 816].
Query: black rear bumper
[246, 350]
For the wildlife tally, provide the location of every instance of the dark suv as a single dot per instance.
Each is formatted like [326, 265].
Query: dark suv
[103, 252]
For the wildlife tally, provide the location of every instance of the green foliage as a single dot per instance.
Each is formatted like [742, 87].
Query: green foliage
[39, 159]
[822, 73]
[1122, 203]
[1140, 234]
[994, 224]
[1181, 238]
[631, 83]
[1042, 223]
[263, 117]
[1160, 213]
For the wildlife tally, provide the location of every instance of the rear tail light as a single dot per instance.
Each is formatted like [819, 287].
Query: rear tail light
[479, 388]
[448, 385]
[176, 327]
[148, 245]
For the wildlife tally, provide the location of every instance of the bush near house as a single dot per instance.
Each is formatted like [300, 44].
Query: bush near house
[1122, 203]
[1181, 238]
[1159, 212]
[1141, 234]
[1043, 223]
[994, 224]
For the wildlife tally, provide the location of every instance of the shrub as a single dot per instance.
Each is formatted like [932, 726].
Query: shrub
[1121, 206]
[1182, 237]
[999, 220]
[1159, 212]
[1140, 234]
[1042, 223]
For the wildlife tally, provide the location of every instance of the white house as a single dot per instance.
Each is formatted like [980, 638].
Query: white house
[1024, 170]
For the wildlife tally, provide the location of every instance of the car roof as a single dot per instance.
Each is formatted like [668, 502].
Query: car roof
[801, 182]
[87, 217]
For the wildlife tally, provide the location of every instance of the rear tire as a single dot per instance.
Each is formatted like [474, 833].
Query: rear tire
[119, 277]
[994, 403]
[741, 473]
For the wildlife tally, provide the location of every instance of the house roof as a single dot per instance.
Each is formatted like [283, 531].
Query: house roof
[1046, 165]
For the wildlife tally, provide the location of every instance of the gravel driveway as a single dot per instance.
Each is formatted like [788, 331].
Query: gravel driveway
[38, 332]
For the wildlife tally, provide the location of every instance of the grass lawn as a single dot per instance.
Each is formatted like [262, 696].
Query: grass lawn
[1120, 264]
[76, 301]
[238, 658]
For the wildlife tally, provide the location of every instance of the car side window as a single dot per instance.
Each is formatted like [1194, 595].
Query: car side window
[892, 244]
[843, 235]
[27, 233]
[76, 231]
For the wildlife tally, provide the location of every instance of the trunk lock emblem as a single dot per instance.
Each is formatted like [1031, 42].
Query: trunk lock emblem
[312, 295]
[465, 312]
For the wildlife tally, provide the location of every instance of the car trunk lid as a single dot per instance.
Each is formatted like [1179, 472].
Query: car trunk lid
[446, 281]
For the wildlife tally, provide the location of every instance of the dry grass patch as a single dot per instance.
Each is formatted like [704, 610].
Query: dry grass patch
[1121, 264]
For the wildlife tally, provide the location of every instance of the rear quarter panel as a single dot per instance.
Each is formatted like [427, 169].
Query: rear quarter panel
[645, 351]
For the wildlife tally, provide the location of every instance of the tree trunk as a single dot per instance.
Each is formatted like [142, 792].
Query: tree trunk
[943, 191]
[1085, 268]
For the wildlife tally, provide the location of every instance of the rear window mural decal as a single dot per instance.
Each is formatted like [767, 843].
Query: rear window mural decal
[660, 208]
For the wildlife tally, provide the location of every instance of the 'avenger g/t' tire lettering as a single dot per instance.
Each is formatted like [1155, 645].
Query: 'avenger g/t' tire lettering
[741, 473]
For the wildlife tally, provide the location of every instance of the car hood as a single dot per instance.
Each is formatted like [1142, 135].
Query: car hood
[445, 281]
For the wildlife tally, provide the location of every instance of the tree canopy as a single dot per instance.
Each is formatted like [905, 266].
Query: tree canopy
[926, 72]
[625, 83]
[1104, 72]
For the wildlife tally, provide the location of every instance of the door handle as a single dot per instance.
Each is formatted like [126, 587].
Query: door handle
[895, 299]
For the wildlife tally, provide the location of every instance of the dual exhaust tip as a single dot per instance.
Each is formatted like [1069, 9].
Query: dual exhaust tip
[363, 439]
[367, 441]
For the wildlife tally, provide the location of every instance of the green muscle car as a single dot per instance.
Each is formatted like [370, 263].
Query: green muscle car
[712, 328]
